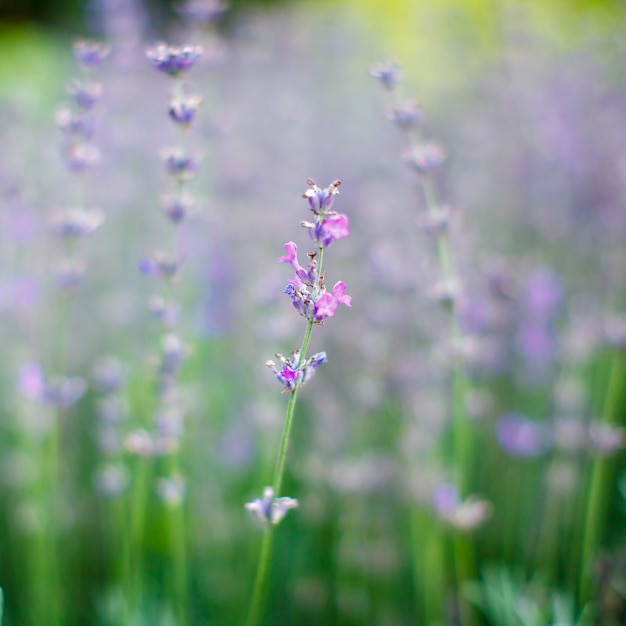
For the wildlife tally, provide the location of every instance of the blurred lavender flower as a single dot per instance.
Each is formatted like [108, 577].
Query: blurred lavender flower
[520, 436]
[179, 164]
[543, 294]
[425, 158]
[59, 391]
[173, 60]
[90, 53]
[76, 223]
[270, 510]
[183, 109]
[466, 515]
[388, 73]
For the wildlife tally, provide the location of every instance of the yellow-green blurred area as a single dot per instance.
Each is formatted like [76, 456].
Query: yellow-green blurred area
[442, 44]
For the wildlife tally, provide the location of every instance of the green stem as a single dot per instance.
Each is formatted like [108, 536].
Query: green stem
[256, 605]
[600, 482]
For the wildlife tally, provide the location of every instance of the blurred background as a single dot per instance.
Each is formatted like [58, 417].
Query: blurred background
[459, 459]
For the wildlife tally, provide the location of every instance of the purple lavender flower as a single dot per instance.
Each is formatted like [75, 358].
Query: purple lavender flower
[406, 115]
[76, 223]
[306, 277]
[183, 109]
[388, 73]
[173, 60]
[85, 93]
[90, 53]
[317, 308]
[425, 157]
[177, 207]
[321, 200]
[31, 382]
[293, 373]
[543, 293]
[159, 264]
[179, 164]
[271, 510]
[80, 157]
[74, 125]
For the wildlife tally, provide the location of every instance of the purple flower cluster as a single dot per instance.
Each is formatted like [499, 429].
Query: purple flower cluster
[307, 291]
[293, 372]
[173, 60]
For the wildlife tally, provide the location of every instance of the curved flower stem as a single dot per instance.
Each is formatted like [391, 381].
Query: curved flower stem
[256, 605]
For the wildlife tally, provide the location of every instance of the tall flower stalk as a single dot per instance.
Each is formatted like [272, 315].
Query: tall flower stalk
[315, 303]
[425, 158]
[160, 440]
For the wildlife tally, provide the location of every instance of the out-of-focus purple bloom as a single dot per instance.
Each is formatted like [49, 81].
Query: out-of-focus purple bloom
[80, 157]
[406, 116]
[537, 341]
[108, 374]
[77, 126]
[520, 436]
[321, 200]
[19, 293]
[142, 443]
[425, 158]
[31, 382]
[178, 208]
[543, 293]
[90, 53]
[159, 264]
[85, 93]
[173, 60]
[76, 223]
[69, 273]
[388, 73]
[178, 163]
[292, 373]
[63, 392]
[183, 109]
[466, 515]
[271, 510]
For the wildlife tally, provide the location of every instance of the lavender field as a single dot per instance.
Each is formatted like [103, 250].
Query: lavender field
[314, 314]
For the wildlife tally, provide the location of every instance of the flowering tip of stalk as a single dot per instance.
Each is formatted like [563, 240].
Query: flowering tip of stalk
[173, 60]
[388, 73]
[321, 200]
[178, 208]
[90, 53]
[270, 510]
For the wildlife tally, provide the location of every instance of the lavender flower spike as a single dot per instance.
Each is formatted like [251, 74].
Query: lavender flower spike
[271, 510]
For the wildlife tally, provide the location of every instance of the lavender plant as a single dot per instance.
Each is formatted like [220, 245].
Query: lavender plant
[452, 502]
[161, 438]
[311, 299]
